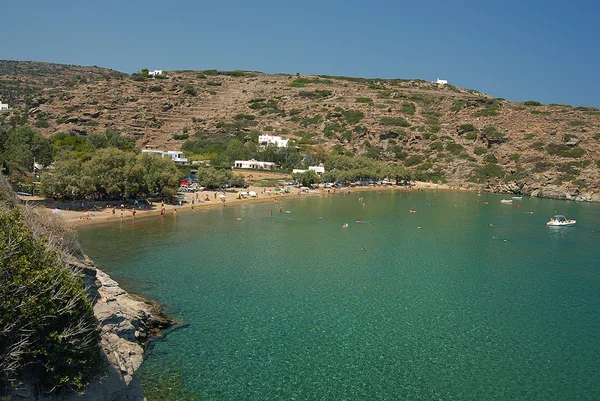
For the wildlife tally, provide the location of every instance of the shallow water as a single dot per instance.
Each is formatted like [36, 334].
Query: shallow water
[480, 302]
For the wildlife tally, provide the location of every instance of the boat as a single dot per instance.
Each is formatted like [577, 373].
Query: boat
[506, 201]
[517, 197]
[560, 221]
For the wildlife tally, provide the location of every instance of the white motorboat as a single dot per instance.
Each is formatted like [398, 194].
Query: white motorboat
[506, 201]
[560, 221]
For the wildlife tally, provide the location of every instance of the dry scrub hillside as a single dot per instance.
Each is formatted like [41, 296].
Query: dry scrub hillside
[438, 132]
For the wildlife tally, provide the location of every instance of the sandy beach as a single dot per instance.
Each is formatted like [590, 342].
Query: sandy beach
[211, 199]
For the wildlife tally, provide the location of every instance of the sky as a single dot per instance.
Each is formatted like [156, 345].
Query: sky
[548, 51]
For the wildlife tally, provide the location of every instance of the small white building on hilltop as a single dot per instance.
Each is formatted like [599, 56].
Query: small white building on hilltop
[441, 81]
[174, 155]
[254, 164]
[3, 106]
[155, 72]
[272, 139]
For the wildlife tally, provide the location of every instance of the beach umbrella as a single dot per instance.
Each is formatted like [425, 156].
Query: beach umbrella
[221, 196]
[243, 193]
[57, 211]
[252, 193]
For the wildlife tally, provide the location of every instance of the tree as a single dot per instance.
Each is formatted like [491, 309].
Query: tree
[23, 145]
[47, 325]
[306, 178]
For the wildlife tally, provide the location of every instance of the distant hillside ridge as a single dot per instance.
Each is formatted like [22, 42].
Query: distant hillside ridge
[439, 132]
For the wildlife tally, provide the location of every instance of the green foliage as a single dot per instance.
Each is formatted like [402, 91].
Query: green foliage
[464, 128]
[20, 146]
[482, 174]
[316, 119]
[306, 178]
[436, 146]
[454, 148]
[576, 123]
[302, 82]
[490, 110]
[563, 150]
[490, 158]
[47, 326]
[413, 160]
[514, 157]
[364, 100]
[189, 90]
[458, 105]
[408, 108]
[480, 150]
[180, 137]
[114, 173]
[492, 133]
[471, 136]
[400, 122]
[532, 103]
[316, 94]
[538, 146]
[353, 116]
[528, 136]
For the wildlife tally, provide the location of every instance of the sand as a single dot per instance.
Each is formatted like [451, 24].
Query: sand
[232, 199]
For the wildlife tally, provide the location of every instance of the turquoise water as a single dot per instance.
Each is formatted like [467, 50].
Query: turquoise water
[482, 302]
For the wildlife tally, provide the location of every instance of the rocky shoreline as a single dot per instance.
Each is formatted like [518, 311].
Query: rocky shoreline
[127, 324]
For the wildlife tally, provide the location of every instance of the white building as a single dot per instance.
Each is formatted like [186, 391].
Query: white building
[272, 139]
[254, 164]
[441, 81]
[174, 155]
[3, 106]
[317, 169]
[155, 72]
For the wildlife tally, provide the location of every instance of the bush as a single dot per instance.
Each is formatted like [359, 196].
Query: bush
[563, 150]
[353, 116]
[480, 150]
[458, 104]
[437, 145]
[464, 128]
[471, 136]
[408, 108]
[364, 100]
[400, 122]
[492, 133]
[189, 90]
[180, 137]
[454, 148]
[488, 171]
[413, 160]
[316, 94]
[532, 103]
[47, 326]
[490, 158]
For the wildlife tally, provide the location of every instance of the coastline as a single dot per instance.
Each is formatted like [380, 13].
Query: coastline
[79, 218]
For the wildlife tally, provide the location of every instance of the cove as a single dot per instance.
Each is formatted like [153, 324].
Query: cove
[460, 300]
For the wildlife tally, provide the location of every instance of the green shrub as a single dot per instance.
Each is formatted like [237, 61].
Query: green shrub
[490, 158]
[492, 133]
[464, 128]
[364, 100]
[454, 148]
[408, 108]
[400, 122]
[529, 136]
[180, 137]
[413, 160]
[576, 123]
[488, 171]
[471, 136]
[540, 167]
[480, 150]
[316, 94]
[437, 145]
[458, 104]
[47, 326]
[353, 116]
[189, 90]
[435, 128]
[538, 146]
[514, 157]
[532, 103]
[563, 150]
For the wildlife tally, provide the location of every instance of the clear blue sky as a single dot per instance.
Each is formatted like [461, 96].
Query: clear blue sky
[547, 51]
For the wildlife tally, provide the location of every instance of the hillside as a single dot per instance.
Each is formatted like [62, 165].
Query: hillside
[438, 132]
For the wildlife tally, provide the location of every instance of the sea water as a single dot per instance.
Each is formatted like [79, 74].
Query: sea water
[466, 298]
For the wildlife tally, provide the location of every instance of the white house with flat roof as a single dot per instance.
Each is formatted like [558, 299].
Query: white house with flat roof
[3, 106]
[174, 155]
[272, 139]
[441, 81]
[317, 169]
[155, 72]
[254, 164]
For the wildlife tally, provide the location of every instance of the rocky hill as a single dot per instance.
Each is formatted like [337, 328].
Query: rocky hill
[440, 132]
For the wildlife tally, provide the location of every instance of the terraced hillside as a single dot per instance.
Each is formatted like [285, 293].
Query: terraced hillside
[439, 132]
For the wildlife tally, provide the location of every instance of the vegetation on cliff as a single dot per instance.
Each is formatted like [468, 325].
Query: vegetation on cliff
[48, 332]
